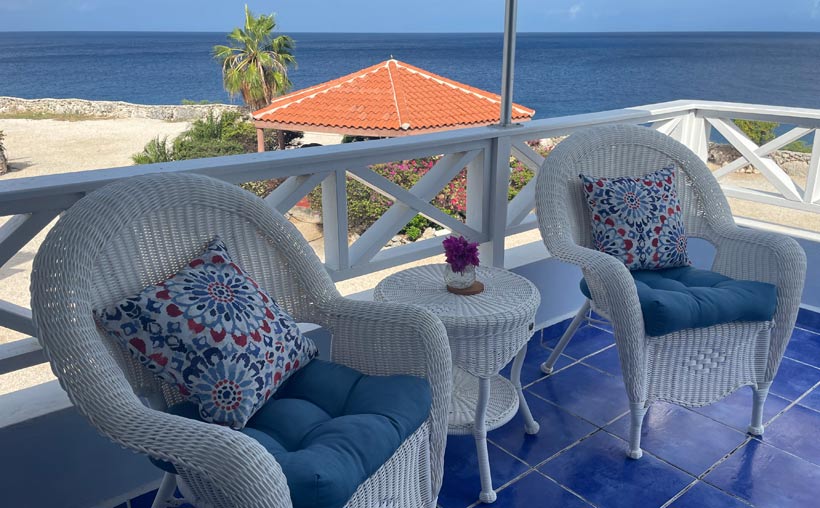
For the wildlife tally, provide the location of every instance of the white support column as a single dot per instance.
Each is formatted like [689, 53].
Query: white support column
[334, 218]
[693, 131]
[508, 62]
[478, 200]
[499, 186]
[813, 181]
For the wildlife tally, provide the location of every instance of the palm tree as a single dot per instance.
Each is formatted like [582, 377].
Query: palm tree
[256, 62]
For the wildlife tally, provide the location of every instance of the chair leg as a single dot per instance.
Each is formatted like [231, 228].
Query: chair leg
[759, 398]
[637, 412]
[166, 491]
[547, 366]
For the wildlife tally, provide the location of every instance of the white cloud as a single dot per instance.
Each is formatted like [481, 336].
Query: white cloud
[571, 12]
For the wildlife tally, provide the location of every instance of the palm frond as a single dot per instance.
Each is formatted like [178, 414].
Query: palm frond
[256, 62]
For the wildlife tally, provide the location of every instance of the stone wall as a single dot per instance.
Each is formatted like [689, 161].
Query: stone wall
[111, 109]
[793, 163]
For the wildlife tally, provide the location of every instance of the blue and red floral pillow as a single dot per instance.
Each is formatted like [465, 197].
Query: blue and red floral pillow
[638, 220]
[215, 334]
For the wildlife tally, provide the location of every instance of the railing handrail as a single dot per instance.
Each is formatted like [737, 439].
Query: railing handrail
[280, 164]
[485, 151]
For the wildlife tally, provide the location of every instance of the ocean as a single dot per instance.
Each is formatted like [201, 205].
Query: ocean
[556, 74]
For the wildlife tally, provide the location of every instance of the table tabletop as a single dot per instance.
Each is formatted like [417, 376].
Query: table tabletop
[506, 295]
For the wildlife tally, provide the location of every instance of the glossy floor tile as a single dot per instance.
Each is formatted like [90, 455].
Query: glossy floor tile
[703, 495]
[537, 490]
[797, 431]
[586, 392]
[559, 429]
[606, 360]
[736, 409]
[793, 379]
[587, 340]
[668, 434]
[812, 400]
[600, 472]
[768, 478]
[461, 481]
[804, 346]
[808, 320]
[694, 458]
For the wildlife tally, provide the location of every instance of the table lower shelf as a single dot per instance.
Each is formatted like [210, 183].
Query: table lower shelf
[502, 406]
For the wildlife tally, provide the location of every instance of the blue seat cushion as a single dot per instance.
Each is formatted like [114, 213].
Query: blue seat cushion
[331, 427]
[685, 297]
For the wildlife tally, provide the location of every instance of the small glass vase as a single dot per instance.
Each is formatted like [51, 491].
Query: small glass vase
[459, 280]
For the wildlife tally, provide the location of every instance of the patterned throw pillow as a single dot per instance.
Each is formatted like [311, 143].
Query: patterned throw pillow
[638, 220]
[215, 334]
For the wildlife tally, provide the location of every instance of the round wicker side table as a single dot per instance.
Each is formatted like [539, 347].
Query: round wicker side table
[486, 331]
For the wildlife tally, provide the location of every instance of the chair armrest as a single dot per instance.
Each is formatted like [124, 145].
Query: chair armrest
[379, 338]
[613, 288]
[763, 256]
[237, 466]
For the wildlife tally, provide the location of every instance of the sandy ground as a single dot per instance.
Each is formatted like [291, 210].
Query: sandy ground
[43, 147]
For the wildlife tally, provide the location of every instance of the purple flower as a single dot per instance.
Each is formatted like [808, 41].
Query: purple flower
[460, 253]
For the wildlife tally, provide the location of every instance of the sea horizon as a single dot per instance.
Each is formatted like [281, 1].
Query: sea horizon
[557, 73]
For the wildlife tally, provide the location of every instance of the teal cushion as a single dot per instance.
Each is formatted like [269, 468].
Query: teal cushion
[331, 427]
[684, 297]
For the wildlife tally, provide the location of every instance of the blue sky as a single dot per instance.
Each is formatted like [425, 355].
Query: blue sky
[414, 15]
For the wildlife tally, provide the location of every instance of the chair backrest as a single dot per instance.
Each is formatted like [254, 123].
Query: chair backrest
[137, 232]
[617, 151]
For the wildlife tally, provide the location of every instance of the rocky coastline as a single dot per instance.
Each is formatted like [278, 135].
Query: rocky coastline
[793, 163]
[111, 109]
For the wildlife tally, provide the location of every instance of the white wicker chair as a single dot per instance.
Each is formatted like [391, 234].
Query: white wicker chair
[133, 233]
[671, 367]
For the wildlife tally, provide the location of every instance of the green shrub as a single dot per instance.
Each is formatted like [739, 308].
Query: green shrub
[156, 150]
[798, 146]
[189, 102]
[215, 136]
[758, 131]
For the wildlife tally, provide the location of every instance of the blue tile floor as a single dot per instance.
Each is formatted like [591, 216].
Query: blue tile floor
[698, 458]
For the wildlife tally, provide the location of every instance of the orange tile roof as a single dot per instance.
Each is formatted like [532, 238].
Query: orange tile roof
[388, 99]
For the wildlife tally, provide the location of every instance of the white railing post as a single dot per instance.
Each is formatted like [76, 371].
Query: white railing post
[334, 220]
[693, 131]
[499, 187]
[813, 180]
[478, 200]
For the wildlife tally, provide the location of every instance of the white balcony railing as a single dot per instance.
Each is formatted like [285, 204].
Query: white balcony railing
[485, 152]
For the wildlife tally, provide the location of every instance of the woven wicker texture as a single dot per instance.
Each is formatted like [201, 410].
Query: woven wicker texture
[139, 231]
[501, 408]
[485, 330]
[662, 367]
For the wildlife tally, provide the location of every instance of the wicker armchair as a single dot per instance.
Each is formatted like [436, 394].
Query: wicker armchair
[133, 233]
[668, 367]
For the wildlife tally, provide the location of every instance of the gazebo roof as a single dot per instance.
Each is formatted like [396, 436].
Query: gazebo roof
[388, 99]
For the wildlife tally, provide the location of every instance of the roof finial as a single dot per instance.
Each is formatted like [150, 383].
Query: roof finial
[391, 56]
